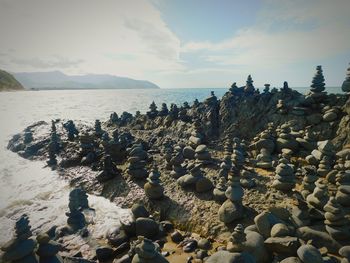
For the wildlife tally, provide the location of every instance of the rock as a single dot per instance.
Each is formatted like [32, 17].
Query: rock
[190, 246]
[188, 152]
[237, 240]
[146, 227]
[116, 237]
[147, 252]
[283, 245]
[308, 253]
[104, 253]
[203, 185]
[255, 246]
[227, 257]
[285, 178]
[345, 252]
[330, 116]
[279, 230]
[152, 188]
[264, 222]
[176, 237]
[139, 210]
[21, 250]
[291, 260]
[204, 244]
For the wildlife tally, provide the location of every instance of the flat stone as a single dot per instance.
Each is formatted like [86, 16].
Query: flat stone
[229, 212]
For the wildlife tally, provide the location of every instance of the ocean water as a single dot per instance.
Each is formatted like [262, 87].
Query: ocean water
[28, 187]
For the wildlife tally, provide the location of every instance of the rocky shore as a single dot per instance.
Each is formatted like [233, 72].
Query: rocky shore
[251, 177]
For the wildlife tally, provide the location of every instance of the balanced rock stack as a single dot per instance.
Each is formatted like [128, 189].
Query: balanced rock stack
[249, 88]
[284, 178]
[225, 167]
[153, 112]
[232, 208]
[195, 179]
[80, 197]
[147, 252]
[153, 188]
[98, 128]
[76, 219]
[308, 142]
[137, 162]
[343, 191]
[21, 247]
[197, 134]
[234, 89]
[264, 159]
[219, 190]
[318, 85]
[164, 110]
[337, 225]
[72, 131]
[109, 170]
[202, 154]
[237, 240]
[323, 148]
[237, 156]
[265, 140]
[318, 198]
[325, 166]
[176, 162]
[346, 84]
[300, 214]
[87, 150]
[309, 179]
[285, 139]
[48, 249]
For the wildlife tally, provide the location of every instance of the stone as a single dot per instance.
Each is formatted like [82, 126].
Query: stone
[176, 237]
[139, 210]
[237, 240]
[330, 116]
[204, 244]
[264, 159]
[116, 237]
[308, 253]
[219, 190]
[318, 84]
[345, 252]
[76, 219]
[285, 178]
[188, 152]
[147, 227]
[310, 177]
[319, 197]
[280, 230]
[203, 185]
[283, 245]
[227, 257]
[109, 170]
[104, 253]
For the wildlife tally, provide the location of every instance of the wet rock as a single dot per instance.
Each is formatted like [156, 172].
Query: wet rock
[190, 246]
[109, 170]
[176, 237]
[76, 219]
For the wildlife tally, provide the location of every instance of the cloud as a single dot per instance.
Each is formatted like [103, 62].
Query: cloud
[287, 32]
[84, 36]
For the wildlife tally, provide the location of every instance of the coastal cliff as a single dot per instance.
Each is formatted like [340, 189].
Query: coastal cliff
[8, 82]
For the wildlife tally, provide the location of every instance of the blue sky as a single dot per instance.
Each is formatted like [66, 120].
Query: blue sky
[178, 43]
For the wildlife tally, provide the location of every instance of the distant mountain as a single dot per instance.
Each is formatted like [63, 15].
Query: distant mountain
[8, 82]
[58, 80]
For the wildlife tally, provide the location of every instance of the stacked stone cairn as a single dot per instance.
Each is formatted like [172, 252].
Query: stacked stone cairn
[323, 156]
[235, 90]
[202, 154]
[72, 131]
[309, 178]
[337, 226]
[249, 88]
[21, 247]
[176, 162]
[308, 141]
[48, 249]
[87, 149]
[174, 111]
[346, 84]
[76, 219]
[137, 162]
[237, 156]
[98, 128]
[300, 214]
[197, 134]
[113, 118]
[266, 88]
[54, 146]
[238, 237]
[264, 159]
[109, 170]
[284, 178]
[147, 252]
[153, 189]
[318, 85]
[285, 88]
[219, 190]
[343, 188]
[232, 208]
[195, 179]
[81, 198]
[153, 112]
[281, 107]
[286, 139]
[266, 139]
[318, 199]
[164, 110]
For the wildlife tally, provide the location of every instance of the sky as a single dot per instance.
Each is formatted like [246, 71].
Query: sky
[179, 43]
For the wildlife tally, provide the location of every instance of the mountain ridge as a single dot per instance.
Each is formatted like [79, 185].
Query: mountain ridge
[59, 80]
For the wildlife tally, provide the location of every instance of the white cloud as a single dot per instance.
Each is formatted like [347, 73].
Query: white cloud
[83, 36]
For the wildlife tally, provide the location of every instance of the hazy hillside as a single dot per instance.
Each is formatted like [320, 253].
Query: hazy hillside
[8, 82]
[58, 80]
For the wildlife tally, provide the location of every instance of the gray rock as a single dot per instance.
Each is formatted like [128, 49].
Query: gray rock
[308, 253]
[283, 245]
[227, 257]
[188, 152]
[279, 230]
[146, 227]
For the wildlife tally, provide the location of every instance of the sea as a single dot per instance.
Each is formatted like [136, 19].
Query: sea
[28, 187]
